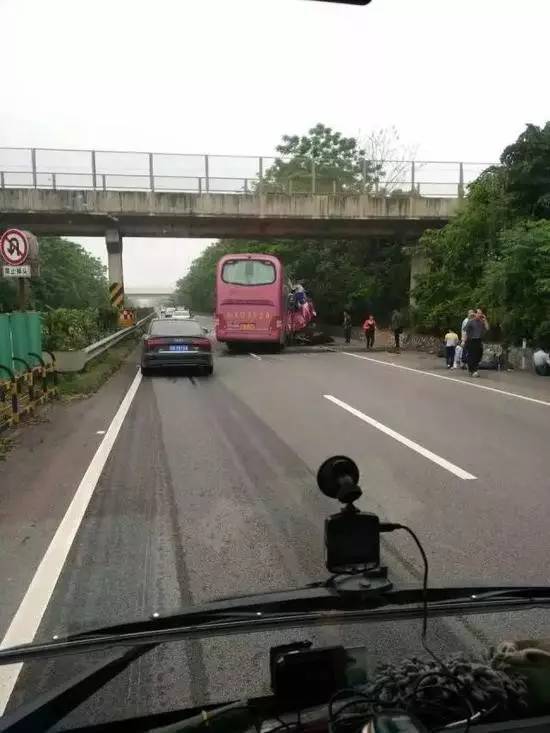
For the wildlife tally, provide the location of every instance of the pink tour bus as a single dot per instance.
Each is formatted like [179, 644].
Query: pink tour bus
[251, 300]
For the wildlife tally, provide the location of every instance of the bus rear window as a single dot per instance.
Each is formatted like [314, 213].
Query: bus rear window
[248, 272]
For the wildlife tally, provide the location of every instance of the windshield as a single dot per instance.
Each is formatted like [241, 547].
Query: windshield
[351, 211]
[248, 272]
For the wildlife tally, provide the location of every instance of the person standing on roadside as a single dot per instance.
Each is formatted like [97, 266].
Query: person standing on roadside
[476, 328]
[347, 326]
[397, 328]
[451, 342]
[471, 314]
[458, 357]
[369, 327]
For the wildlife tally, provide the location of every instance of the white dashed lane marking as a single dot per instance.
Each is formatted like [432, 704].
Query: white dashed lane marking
[443, 462]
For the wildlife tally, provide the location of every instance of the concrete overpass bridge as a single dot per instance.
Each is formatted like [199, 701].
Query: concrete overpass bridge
[125, 194]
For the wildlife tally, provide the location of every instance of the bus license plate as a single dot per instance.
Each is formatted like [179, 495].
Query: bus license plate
[248, 326]
[178, 347]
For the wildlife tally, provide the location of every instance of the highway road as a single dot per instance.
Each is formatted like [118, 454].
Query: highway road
[208, 489]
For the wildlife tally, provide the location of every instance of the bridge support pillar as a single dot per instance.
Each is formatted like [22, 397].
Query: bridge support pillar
[113, 240]
[419, 265]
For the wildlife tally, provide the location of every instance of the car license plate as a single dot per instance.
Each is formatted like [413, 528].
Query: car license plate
[178, 347]
[248, 326]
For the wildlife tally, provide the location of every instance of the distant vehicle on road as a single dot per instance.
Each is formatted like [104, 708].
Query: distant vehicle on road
[252, 300]
[169, 312]
[176, 343]
[181, 313]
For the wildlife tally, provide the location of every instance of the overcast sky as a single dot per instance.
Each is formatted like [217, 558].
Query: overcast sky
[458, 79]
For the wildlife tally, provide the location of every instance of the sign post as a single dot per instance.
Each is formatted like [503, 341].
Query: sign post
[14, 247]
[19, 257]
[127, 317]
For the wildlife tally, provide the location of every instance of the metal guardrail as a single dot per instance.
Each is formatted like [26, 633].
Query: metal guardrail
[108, 170]
[75, 361]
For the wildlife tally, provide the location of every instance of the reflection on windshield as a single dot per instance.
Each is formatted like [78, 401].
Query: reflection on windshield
[248, 272]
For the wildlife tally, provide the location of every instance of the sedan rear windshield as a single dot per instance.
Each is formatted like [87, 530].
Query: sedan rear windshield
[175, 328]
[248, 272]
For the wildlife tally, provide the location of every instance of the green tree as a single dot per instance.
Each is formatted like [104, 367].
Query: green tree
[69, 278]
[338, 164]
[496, 251]
[517, 283]
[196, 289]
[458, 254]
[362, 275]
[526, 166]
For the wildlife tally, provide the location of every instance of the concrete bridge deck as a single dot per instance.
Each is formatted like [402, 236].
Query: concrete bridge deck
[168, 214]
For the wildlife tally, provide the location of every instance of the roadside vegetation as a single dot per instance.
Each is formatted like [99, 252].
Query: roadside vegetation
[69, 278]
[68, 329]
[6, 444]
[495, 253]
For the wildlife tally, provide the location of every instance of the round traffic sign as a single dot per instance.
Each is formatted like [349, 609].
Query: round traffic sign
[14, 247]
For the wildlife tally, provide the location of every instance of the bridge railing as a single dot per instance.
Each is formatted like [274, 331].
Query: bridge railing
[105, 170]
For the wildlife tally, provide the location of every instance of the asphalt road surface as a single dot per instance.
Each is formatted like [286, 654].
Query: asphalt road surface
[208, 489]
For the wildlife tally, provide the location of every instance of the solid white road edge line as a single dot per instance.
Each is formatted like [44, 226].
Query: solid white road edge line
[443, 462]
[28, 616]
[449, 379]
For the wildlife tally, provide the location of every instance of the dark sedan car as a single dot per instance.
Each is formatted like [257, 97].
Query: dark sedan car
[176, 343]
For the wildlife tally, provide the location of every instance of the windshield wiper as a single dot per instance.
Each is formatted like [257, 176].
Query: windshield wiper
[304, 607]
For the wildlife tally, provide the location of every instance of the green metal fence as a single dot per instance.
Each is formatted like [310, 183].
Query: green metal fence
[5, 345]
[26, 378]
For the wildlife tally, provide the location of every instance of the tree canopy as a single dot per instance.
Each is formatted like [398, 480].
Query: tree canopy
[337, 163]
[496, 252]
[526, 169]
[517, 282]
[69, 278]
[360, 275]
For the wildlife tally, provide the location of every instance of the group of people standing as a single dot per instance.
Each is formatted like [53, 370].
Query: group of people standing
[466, 350]
[541, 362]
[369, 328]
[461, 351]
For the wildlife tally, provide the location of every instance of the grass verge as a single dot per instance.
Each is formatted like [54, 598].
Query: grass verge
[6, 444]
[80, 384]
